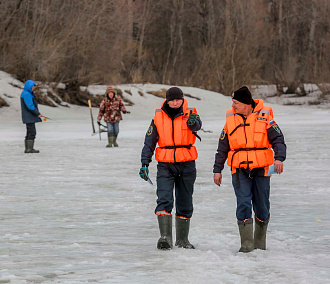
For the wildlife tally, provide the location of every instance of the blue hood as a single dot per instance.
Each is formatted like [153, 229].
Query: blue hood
[28, 85]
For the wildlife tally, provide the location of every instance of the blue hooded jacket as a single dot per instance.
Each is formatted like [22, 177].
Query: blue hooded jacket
[29, 104]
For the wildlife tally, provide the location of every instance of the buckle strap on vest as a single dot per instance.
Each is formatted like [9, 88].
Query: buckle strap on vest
[244, 162]
[176, 146]
[243, 149]
[240, 125]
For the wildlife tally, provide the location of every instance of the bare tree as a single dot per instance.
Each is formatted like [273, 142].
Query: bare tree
[216, 44]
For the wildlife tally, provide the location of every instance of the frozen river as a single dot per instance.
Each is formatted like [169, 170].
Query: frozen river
[79, 213]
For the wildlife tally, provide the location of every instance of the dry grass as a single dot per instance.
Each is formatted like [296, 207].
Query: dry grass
[160, 94]
[3, 103]
[128, 101]
[191, 96]
[128, 92]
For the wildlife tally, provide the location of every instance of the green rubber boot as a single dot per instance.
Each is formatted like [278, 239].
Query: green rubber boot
[115, 144]
[260, 234]
[110, 140]
[165, 229]
[246, 233]
[182, 232]
[29, 147]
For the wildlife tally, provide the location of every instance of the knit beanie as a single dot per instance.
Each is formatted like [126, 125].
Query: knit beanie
[174, 93]
[243, 95]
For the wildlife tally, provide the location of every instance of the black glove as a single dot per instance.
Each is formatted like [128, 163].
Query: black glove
[99, 122]
[192, 119]
[125, 111]
[144, 171]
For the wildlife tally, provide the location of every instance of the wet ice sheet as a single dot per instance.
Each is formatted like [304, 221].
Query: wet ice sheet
[79, 213]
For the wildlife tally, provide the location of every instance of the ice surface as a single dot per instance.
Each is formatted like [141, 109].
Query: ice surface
[79, 213]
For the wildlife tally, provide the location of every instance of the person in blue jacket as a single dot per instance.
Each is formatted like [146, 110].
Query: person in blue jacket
[30, 115]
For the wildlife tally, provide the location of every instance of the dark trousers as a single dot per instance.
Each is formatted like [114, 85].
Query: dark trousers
[31, 131]
[251, 192]
[182, 176]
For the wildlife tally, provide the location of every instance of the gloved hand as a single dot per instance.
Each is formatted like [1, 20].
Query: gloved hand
[192, 119]
[99, 122]
[144, 171]
[126, 111]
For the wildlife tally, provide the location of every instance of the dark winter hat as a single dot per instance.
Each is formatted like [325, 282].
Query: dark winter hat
[243, 95]
[174, 93]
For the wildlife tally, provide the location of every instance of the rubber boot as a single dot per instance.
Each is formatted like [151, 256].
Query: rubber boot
[246, 233]
[260, 234]
[29, 147]
[26, 146]
[115, 144]
[182, 232]
[110, 140]
[165, 229]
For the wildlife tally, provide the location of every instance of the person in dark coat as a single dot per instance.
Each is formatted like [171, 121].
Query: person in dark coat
[253, 144]
[30, 115]
[173, 128]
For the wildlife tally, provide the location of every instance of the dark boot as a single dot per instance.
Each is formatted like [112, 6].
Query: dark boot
[26, 146]
[110, 140]
[246, 233]
[115, 141]
[182, 232]
[260, 234]
[165, 228]
[29, 145]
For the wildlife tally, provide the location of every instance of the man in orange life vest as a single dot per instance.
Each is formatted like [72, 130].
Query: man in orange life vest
[252, 142]
[174, 128]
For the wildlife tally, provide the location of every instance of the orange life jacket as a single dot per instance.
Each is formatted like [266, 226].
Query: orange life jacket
[176, 140]
[248, 140]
